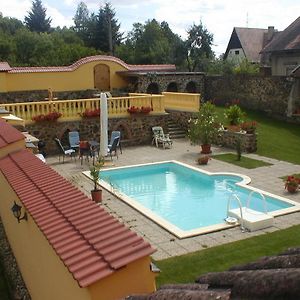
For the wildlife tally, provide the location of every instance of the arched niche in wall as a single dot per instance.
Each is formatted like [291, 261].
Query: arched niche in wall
[102, 77]
[153, 88]
[191, 87]
[172, 87]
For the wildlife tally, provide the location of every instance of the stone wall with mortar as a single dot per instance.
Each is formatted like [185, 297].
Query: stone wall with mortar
[163, 80]
[229, 139]
[225, 138]
[267, 94]
[135, 130]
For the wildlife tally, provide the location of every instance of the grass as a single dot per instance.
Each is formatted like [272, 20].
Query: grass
[245, 162]
[187, 268]
[276, 139]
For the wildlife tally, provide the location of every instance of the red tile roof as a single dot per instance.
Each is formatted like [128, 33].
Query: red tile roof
[9, 134]
[90, 242]
[89, 59]
[4, 66]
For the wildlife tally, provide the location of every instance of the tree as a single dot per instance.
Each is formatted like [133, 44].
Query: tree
[198, 47]
[82, 20]
[36, 19]
[107, 30]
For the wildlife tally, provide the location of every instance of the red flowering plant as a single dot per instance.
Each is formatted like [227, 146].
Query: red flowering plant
[91, 113]
[293, 182]
[146, 109]
[249, 126]
[52, 116]
[133, 110]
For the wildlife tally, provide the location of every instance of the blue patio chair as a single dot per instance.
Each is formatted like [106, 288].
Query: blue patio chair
[74, 140]
[115, 134]
[113, 147]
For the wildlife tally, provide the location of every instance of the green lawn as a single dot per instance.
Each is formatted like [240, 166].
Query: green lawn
[187, 268]
[276, 139]
[245, 162]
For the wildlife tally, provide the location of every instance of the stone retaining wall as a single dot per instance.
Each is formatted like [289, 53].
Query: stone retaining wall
[135, 130]
[229, 139]
[268, 94]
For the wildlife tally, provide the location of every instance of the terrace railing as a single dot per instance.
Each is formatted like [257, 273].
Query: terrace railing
[182, 101]
[72, 109]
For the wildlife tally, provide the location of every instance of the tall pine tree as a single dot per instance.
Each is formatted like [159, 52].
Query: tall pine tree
[36, 19]
[107, 33]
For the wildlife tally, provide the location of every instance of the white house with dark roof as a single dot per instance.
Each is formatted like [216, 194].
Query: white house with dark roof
[246, 43]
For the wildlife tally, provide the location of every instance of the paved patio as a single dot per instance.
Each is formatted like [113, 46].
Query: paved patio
[168, 245]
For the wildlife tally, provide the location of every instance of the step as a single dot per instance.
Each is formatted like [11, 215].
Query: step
[253, 220]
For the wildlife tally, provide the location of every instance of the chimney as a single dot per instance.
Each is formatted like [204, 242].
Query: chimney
[271, 31]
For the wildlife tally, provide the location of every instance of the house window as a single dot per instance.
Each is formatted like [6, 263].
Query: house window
[237, 52]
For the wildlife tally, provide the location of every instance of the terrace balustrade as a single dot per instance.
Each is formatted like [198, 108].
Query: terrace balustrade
[117, 106]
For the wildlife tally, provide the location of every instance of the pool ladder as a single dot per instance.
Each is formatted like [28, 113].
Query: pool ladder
[234, 196]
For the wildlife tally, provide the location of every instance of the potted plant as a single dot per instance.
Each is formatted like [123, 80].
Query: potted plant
[51, 116]
[95, 174]
[133, 110]
[292, 184]
[145, 109]
[249, 126]
[234, 114]
[203, 160]
[90, 113]
[204, 128]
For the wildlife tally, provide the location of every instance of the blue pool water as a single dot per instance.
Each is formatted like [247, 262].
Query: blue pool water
[187, 198]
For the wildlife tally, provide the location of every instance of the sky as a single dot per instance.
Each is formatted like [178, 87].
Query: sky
[218, 16]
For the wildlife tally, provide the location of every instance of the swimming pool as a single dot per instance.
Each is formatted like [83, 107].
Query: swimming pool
[183, 199]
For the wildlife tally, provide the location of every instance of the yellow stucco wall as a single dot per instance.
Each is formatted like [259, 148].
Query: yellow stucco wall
[135, 278]
[80, 79]
[3, 76]
[12, 148]
[45, 275]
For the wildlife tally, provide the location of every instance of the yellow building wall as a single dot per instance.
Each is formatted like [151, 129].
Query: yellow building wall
[80, 79]
[135, 278]
[44, 274]
[3, 87]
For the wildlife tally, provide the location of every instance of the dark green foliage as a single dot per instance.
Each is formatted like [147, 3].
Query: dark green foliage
[198, 47]
[152, 43]
[36, 19]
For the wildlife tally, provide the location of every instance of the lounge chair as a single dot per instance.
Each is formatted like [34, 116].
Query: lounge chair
[63, 151]
[115, 134]
[113, 147]
[160, 138]
[74, 140]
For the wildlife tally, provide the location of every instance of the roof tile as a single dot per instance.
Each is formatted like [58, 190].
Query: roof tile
[90, 242]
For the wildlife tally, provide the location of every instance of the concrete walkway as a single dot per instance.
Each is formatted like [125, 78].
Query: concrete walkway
[168, 245]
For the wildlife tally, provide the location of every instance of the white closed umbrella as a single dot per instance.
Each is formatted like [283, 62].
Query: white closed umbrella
[103, 125]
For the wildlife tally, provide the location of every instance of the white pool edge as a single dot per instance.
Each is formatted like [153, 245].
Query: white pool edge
[198, 231]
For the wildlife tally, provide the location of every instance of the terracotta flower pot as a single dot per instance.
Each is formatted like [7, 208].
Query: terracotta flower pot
[96, 195]
[203, 160]
[205, 149]
[292, 188]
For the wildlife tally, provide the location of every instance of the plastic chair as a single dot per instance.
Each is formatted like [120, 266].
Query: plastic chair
[74, 140]
[115, 134]
[160, 138]
[63, 151]
[114, 147]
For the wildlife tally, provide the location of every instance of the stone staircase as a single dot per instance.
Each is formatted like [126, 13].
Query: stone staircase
[175, 131]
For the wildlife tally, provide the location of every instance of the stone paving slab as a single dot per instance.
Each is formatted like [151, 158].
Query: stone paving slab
[167, 244]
